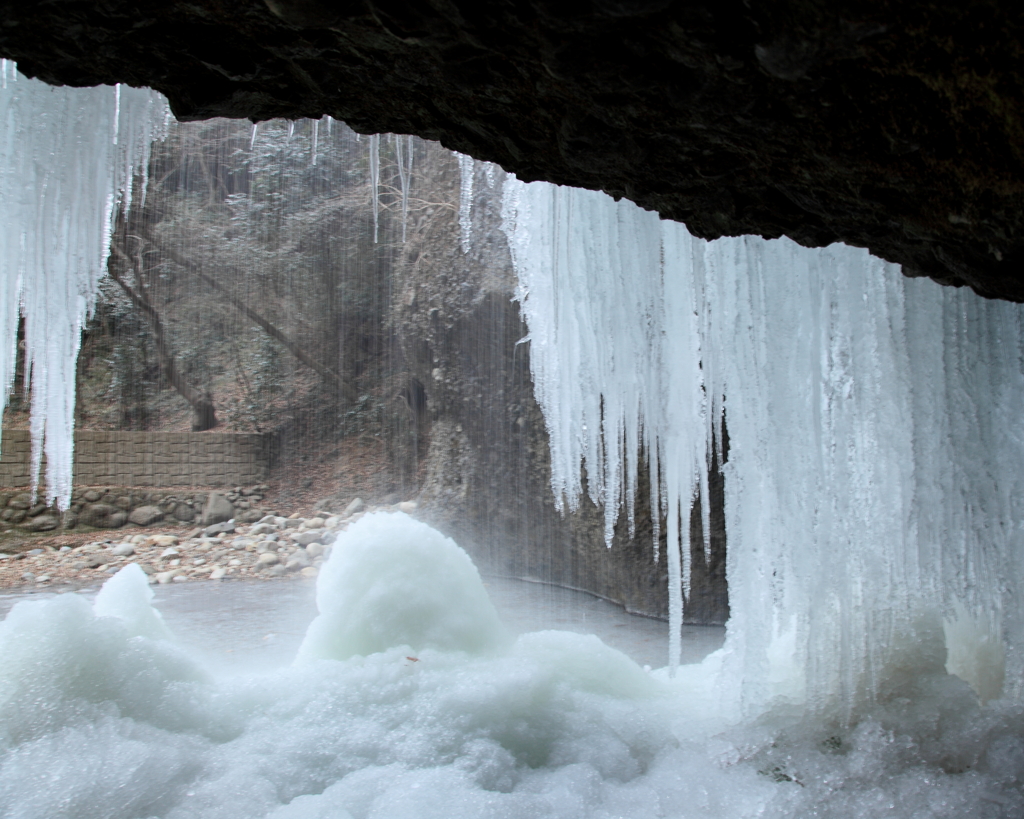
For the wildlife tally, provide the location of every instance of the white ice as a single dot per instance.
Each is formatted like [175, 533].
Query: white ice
[443, 716]
[67, 156]
[874, 481]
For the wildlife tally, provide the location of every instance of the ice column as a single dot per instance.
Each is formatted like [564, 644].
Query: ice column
[873, 484]
[66, 159]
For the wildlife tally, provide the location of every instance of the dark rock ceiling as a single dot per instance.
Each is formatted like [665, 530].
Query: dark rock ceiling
[897, 126]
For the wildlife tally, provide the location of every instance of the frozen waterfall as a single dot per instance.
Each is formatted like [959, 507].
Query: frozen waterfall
[67, 158]
[874, 481]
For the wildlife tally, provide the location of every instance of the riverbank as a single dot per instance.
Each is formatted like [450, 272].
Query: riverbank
[275, 547]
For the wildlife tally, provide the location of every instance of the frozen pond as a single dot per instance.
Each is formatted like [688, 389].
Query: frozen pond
[242, 625]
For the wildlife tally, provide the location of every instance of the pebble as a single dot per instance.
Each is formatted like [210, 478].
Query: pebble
[218, 572]
[170, 552]
[310, 571]
[123, 550]
[267, 559]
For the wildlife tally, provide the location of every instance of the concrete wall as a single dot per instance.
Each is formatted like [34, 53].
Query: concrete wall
[150, 458]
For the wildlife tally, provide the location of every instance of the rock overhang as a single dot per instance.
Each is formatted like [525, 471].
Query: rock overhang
[896, 126]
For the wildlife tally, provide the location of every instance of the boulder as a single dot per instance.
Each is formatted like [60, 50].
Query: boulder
[145, 516]
[216, 510]
[41, 523]
[97, 515]
[184, 513]
[117, 520]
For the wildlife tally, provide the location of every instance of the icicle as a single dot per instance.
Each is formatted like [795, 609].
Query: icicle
[330, 121]
[489, 174]
[404, 176]
[467, 166]
[316, 138]
[859, 461]
[375, 181]
[291, 128]
[252, 136]
[67, 159]
[117, 110]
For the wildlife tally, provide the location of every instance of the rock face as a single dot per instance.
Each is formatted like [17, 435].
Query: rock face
[889, 124]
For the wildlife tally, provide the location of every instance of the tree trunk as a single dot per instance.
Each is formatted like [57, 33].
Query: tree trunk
[204, 415]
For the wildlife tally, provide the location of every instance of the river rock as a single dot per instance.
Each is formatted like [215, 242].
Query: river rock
[13, 515]
[297, 561]
[146, 516]
[91, 496]
[216, 510]
[408, 507]
[218, 572]
[163, 541]
[184, 513]
[268, 559]
[355, 506]
[310, 571]
[42, 523]
[248, 516]
[97, 515]
[123, 550]
[215, 529]
[305, 538]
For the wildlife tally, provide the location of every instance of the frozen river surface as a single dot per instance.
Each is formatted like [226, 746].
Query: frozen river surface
[242, 625]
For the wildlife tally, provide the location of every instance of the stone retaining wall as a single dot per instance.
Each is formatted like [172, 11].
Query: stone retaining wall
[150, 458]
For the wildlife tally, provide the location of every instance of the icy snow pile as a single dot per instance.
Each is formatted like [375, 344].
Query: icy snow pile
[67, 157]
[874, 478]
[101, 717]
[437, 600]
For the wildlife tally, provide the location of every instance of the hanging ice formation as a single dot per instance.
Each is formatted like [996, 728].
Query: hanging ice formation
[67, 158]
[874, 477]
[467, 167]
[375, 181]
